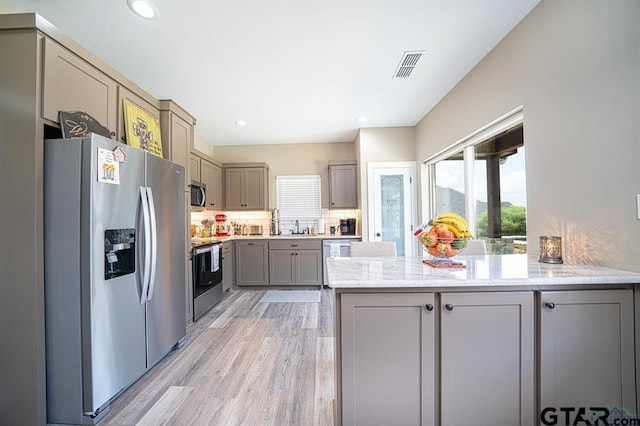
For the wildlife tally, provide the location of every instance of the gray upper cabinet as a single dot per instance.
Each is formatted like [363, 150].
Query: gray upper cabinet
[387, 353]
[194, 168]
[234, 188]
[177, 129]
[246, 188]
[72, 84]
[210, 173]
[343, 186]
[587, 349]
[211, 176]
[487, 358]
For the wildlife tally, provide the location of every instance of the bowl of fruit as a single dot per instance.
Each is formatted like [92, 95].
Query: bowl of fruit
[443, 237]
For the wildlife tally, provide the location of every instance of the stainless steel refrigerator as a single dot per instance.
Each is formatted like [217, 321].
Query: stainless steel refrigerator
[114, 271]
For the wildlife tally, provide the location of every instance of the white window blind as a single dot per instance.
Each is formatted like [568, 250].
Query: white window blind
[299, 197]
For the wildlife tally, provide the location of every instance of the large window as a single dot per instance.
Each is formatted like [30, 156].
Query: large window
[483, 179]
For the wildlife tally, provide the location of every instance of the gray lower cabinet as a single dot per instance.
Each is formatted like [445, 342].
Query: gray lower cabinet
[487, 358]
[388, 350]
[388, 359]
[587, 350]
[295, 262]
[252, 262]
[228, 272]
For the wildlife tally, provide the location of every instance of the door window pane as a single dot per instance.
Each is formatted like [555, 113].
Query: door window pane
[392, 197]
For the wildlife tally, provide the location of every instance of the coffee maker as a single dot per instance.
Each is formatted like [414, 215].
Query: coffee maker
[348, 226]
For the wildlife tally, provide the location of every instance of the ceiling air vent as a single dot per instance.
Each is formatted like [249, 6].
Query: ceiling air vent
[407, 64]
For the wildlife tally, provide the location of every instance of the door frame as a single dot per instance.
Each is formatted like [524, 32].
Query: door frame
[411, 246]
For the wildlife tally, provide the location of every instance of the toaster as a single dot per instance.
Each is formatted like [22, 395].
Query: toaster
[255, 229]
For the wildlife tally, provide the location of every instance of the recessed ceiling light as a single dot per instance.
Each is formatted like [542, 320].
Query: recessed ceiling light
[143, 8]
[362, 119]
[241, 123]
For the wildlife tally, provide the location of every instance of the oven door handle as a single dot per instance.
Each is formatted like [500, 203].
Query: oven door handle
[201, 250]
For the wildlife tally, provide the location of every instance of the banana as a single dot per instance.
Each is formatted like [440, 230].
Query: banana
[453, 215]
[454, 229]
[461, 226]
[454, 222]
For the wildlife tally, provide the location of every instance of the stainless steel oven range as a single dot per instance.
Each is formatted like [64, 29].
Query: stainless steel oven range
[207, 277]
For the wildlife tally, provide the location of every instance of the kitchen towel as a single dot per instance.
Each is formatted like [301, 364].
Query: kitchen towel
[334, 249]
[215, 258]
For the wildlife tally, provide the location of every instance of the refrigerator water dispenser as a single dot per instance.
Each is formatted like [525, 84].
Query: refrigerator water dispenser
[119, 252]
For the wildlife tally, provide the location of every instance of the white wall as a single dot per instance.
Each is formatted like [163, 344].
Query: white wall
[203, 146]
[575, 67]
[377, 145]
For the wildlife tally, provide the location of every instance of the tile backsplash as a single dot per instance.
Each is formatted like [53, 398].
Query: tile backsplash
[329, 218]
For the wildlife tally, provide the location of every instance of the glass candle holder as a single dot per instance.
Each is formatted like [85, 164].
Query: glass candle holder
[550, 249]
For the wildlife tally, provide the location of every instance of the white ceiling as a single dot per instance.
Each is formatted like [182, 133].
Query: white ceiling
[297, 71]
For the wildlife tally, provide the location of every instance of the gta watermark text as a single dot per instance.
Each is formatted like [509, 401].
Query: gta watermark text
[596, 416]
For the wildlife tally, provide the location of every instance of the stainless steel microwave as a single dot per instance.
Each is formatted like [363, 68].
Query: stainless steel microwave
[198, 194]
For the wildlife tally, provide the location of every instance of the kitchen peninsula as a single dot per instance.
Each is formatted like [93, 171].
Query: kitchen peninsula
[505, 340]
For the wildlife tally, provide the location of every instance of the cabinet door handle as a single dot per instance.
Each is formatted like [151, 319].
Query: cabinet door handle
[549, 305]
[448, 307]
[251, 244]
[429, 307]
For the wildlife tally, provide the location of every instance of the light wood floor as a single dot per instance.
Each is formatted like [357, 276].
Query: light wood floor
[244, 363]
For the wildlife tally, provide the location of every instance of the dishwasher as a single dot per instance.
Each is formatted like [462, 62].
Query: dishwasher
[334, 248]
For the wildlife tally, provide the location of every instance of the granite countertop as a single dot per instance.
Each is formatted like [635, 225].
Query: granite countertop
[515, 271]
[198, 241]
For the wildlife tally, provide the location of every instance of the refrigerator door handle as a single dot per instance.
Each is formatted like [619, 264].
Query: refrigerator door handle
[154, 244]
[147, 245]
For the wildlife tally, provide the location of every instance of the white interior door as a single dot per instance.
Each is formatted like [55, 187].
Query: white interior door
[392, 204]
